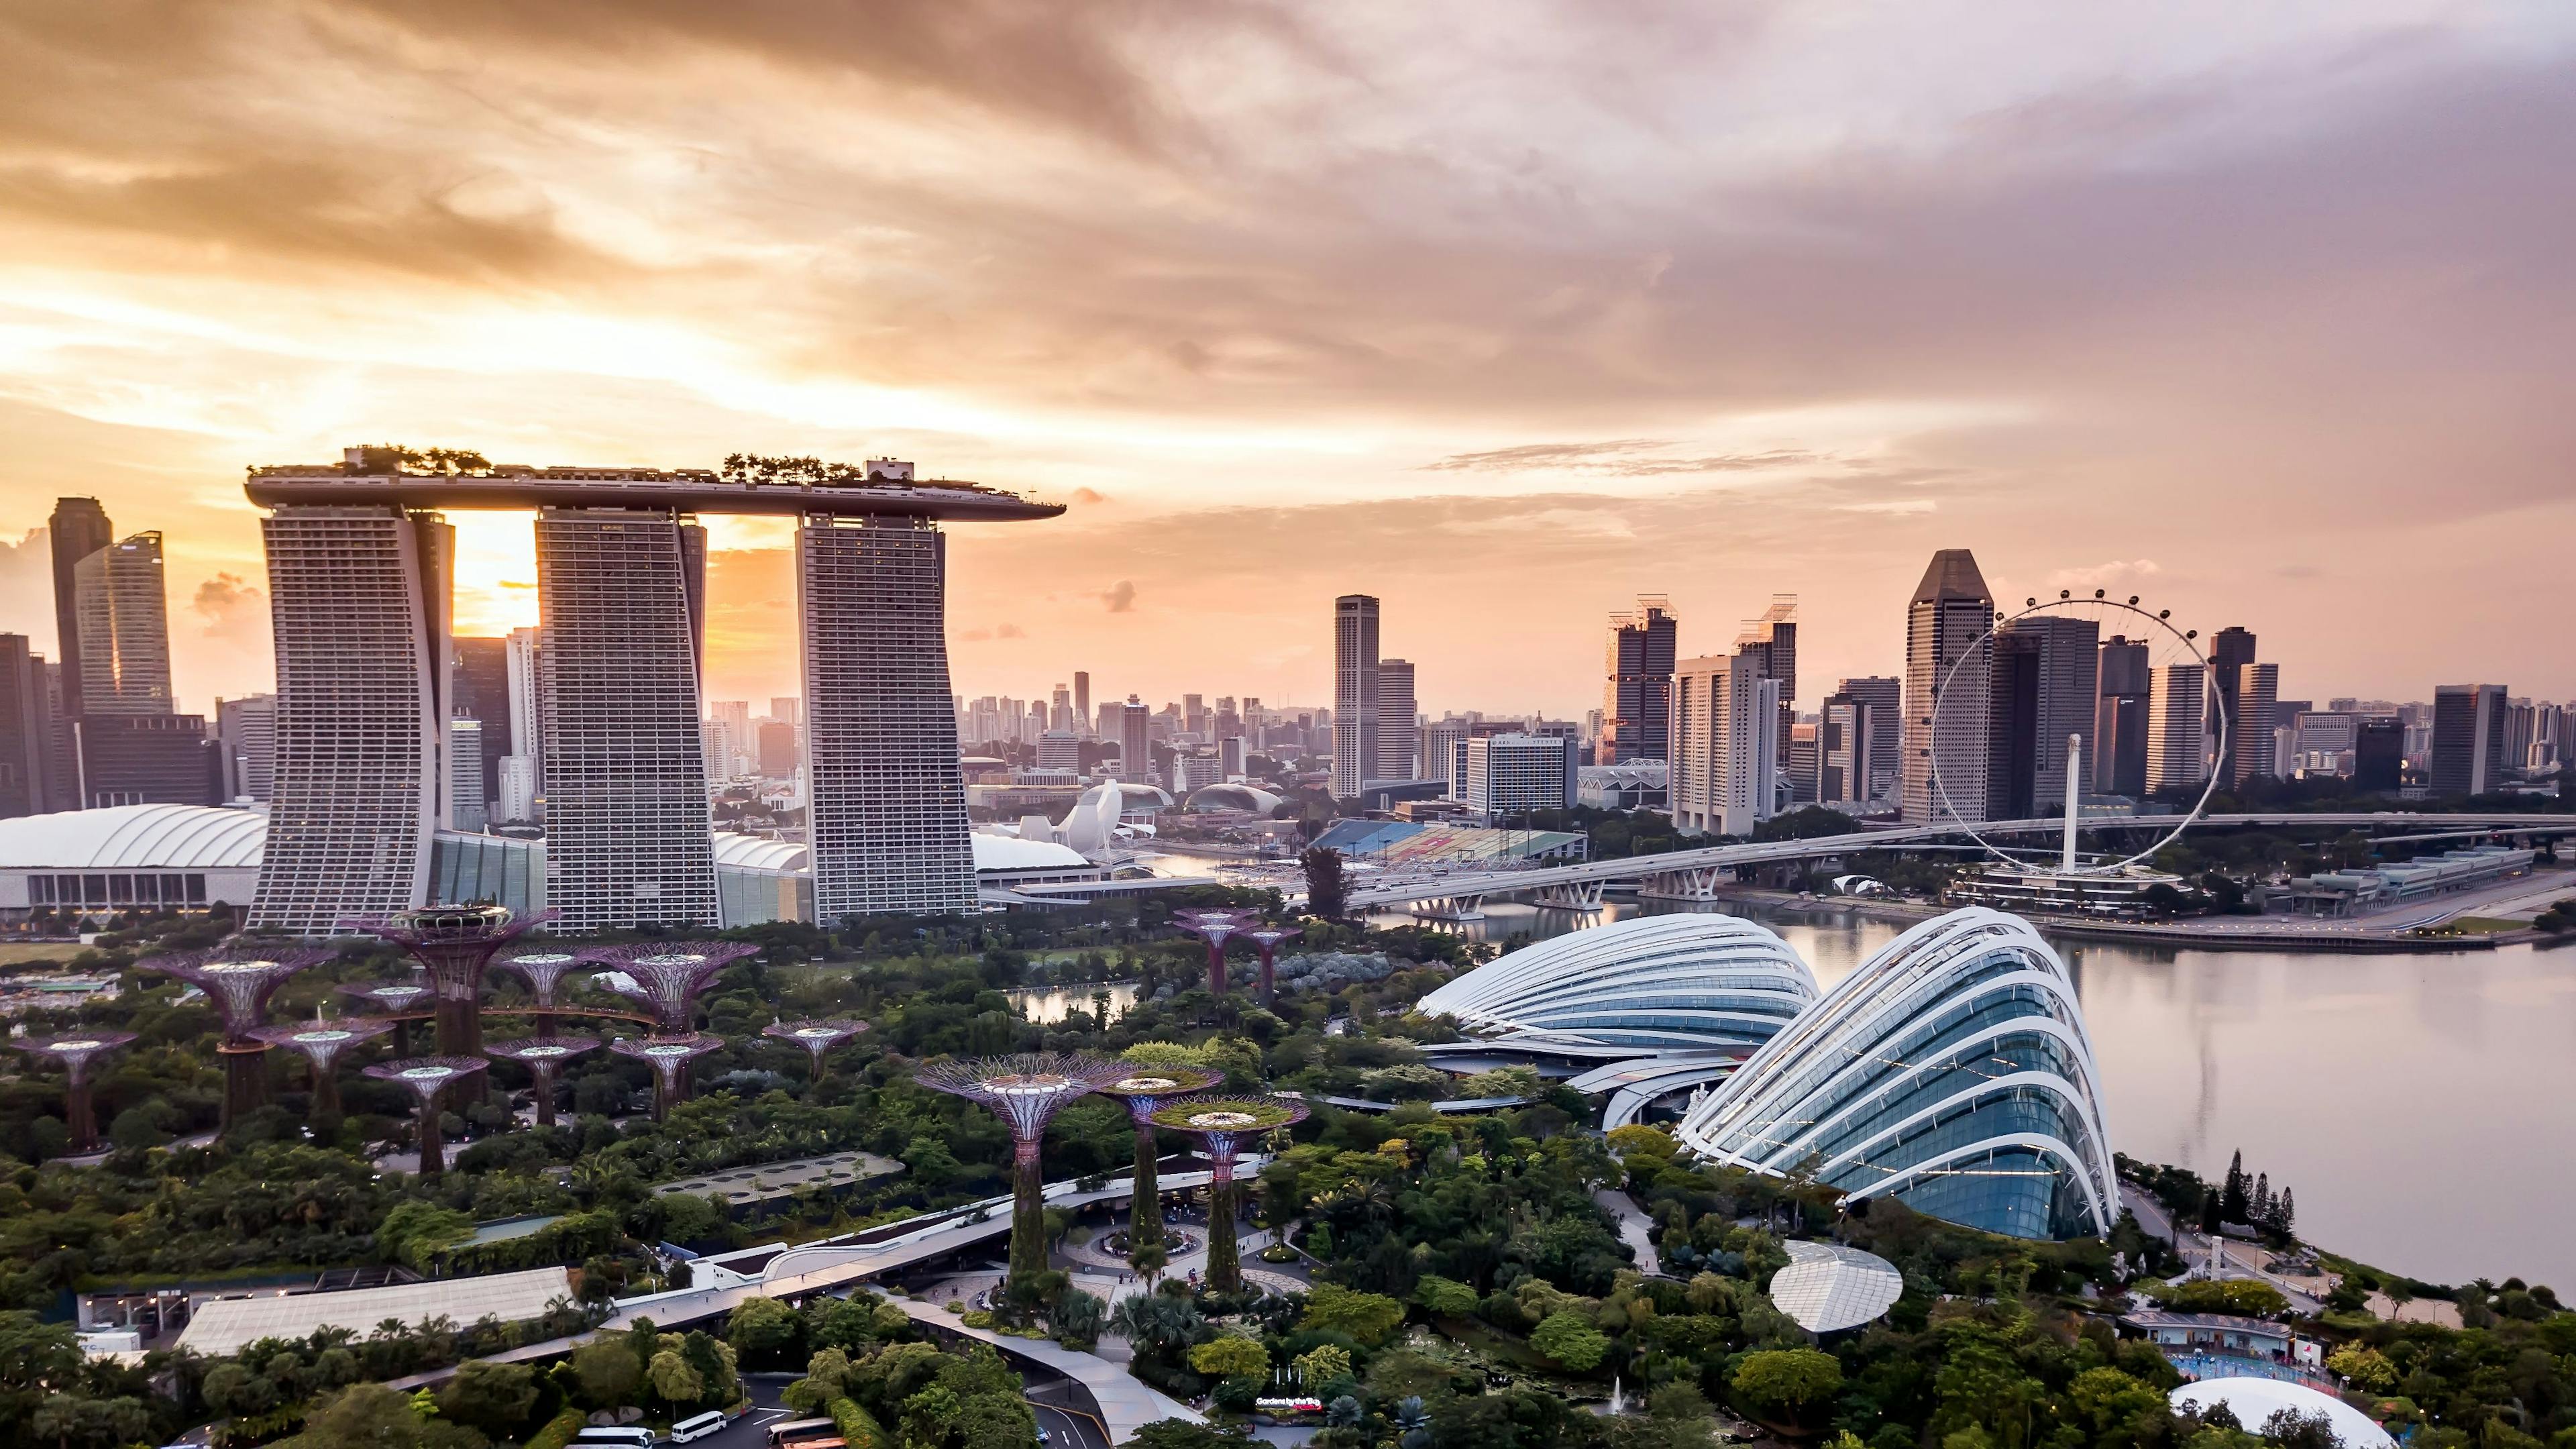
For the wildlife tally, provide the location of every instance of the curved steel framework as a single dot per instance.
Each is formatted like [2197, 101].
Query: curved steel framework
[321, 1042]
[669, 1057]
[398, 1001]
[1215, 927]
[543, 1056]
[1224, 1123]
[816, 1037]
[76, 1051]
[544, 971]
[1684, 981]
[427, 1078]
[1267, 940]
[1025, 1091]
[666, 976]
[240, 987]
[1951, 1071]
[1144, 1090]
[454, 944]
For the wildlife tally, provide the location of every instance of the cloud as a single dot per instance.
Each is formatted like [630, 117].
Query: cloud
[1619, 458]
[232, 609]
[998, 631]
[2103, 575]
[1896, 507]
[1089, 495]
[1121, 597]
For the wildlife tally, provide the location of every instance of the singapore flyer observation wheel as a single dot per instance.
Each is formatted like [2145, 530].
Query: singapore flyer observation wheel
[2072, 697]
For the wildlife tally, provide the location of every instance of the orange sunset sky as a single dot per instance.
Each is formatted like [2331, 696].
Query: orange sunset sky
[1502, 311]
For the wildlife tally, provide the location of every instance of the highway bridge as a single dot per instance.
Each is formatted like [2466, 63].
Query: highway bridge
[1697, 875]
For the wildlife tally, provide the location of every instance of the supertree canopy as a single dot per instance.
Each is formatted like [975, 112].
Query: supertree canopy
[396, 999]
[816, 1037]
[1025, 1091]
[1225, 1122]
[321, 1042]
[669, 1057]
[667, 976]
[239, 984]
[544, 971]
[543, 1056]
[1266, 940]
[1216, 927]
[427, 1077]
[76, 1051]
[454, 944]
[1143, 1090]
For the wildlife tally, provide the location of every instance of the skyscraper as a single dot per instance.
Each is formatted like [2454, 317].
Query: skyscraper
[1637, 698]
[2178, 729]
[1399, 743]
[778, 754]
[522, 679]
[2468, 739]
[2045, 687]
[2230, 650]
[1135, 735]
[888, 801]
[627, 826]
[2120, 718]
[2249, 727]
[1846, 739]
[483, 694]
[359, 597]
[1355, 626]
[246, 732]
[1885, 696]
[78, 528]
[1082, 699]
[26, 731]
[1725, 744]
[1945, 629]
[1772, 640]
[468, 808]
[2379, 756]
[123, 622]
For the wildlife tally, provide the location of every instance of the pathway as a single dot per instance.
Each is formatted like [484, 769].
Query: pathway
[1635, 1229]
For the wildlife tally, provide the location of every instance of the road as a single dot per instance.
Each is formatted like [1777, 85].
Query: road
[2236, 1260]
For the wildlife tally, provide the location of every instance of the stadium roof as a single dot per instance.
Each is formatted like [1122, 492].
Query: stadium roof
[1828, 1287]
[223, 1326]
[128, 837]
[2254, 1401]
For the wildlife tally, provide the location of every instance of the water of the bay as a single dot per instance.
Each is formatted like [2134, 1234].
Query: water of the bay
[2422, 1106]
[1047, 1005]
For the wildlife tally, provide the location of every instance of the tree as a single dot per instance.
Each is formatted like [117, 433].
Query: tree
[493, 1397]
[371, 1416]
[1367, 1317]
[606, 1373]
[1327, 892]
[766, 1333]
[1446, 1297]
[2366, 1368]
[1156, 1322]
[1183, 1434]
[1784, 1385]
[1566, 1338]
[1230, 1357]
[1076, 1318]
[673, 1379]
[1324, 1363]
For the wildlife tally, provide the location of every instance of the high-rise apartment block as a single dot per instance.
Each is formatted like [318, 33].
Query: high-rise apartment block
[1135, 742]
[1355, 642]
[1513, 773]
[1060, 750]
[27, 778]
[1772, 642]
[886, 805]
[628, 832]
[2468, 739]
[1846, 755]
[2230, 650]
[2254, 715]
[1945, 642]
[1884, 694]
[78, 528]
[1637, 698]
[1722, 777]
[482, 681]
[1399, 734]
[2178, 729]
[775, 744]
[2043, 692]
[246, 733]
[2120, 718]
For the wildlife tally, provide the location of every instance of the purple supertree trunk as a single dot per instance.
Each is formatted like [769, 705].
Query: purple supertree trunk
[395, 999]
[1143, 1091]
[1224, 1123]
[76, 1052]
[1216, 927]
[427, 1078]
[239, 985]
[816, 1037]
[1267, 939]
[322, 1042]
[669, 1057]
[454, 944]
[544, 971]
[543, 1056]
[1026, 1092]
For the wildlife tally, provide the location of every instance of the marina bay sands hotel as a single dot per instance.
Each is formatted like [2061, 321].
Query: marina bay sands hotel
[361, 565]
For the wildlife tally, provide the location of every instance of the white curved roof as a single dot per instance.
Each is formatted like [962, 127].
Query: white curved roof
[1828, 1287]
[1653, 982]
[2254, 1400]
[758, 852]
[132, 837]
[1009, 852]
[1233, 795]
[1951, 1070]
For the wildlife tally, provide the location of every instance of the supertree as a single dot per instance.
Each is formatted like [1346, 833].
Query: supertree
[321, 1042]
[669, 1057]
[1143, 1091]
[240, 987]
[544, 971]
[1267, 939]
[543, 1056]
[76, 1052]
[816, 1037]
[667, 975]
[454, 944]
[427, 1077]
[1025, 1091]
[1216, 927]
[1223, 1122]
[398, 1001]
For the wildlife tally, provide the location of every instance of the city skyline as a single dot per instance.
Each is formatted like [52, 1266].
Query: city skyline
[2244, 314]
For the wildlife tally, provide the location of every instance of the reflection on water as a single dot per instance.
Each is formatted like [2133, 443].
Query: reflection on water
[1047, 1005]
[2423, 1107]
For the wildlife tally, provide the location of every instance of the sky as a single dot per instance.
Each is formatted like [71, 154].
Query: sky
[1504, 312]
